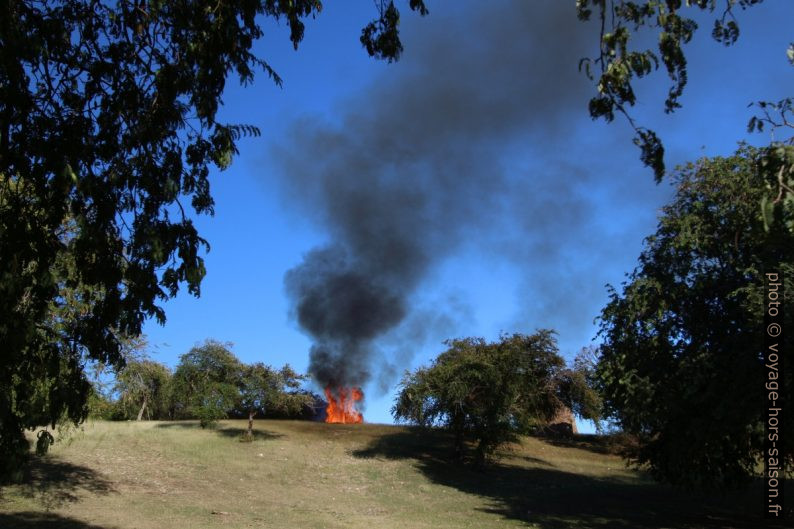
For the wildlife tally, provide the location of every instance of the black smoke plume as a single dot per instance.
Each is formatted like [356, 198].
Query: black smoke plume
[417, 165]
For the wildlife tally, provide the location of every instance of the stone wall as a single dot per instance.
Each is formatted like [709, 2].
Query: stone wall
[563, 423]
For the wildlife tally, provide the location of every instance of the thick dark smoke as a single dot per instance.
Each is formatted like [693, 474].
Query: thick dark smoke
[344, 306]
[416, 166]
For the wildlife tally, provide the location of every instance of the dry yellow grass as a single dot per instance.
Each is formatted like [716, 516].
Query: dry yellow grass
[312, 475]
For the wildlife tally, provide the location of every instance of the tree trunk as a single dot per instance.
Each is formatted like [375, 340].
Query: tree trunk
[480, 455]
[458, 451]
[143, 407]
[458, 441]
[250, 433]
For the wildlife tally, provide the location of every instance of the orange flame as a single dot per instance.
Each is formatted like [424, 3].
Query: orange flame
[342, 409]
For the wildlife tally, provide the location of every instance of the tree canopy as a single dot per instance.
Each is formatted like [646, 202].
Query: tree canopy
[489, 391]
[619, 64]
[682, 361]
[210, 383]
[263, 389]
[206, 382]
[144, 385]
[108, 125]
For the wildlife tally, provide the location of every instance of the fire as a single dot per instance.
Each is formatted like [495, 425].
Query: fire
[342, 407]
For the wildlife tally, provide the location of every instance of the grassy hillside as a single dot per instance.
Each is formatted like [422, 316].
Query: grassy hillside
[314, 475]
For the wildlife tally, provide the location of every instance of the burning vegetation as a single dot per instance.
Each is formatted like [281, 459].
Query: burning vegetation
[342, 405]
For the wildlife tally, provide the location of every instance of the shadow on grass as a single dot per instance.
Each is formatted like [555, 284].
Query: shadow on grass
[42, 520]
[599, 444]
[237, 433]
[222, 430]
[553, 499]
[54, 483]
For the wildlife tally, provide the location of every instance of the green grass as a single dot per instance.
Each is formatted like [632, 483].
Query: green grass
[314, 475]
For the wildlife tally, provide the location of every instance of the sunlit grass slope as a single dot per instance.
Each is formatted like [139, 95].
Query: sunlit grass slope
[313, 475]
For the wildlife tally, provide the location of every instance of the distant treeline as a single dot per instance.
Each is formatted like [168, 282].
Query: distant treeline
[209, 383]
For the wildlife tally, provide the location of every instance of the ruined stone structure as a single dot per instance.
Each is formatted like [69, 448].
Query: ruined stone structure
[563, 423]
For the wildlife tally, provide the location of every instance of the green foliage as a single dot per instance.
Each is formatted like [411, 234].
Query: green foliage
[144, 386]
[108, 127]
[212, 409]
[682, 364]
[576, 387]
[777, 167]
[209, 384]
[205, 383]
[16, 451]
[291, 401]
[489, 391]
[99, 406]
[381, 37]
[620, 65]
[47, 382]
[259, 388]
[263, 388]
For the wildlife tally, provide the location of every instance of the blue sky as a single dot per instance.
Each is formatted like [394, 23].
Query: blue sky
[526, 208]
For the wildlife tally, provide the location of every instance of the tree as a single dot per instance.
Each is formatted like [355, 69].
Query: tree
[108, 120]
[263, 388]
[486, 391]
[682, 360]
[576, 387]
[48, 385]
[145, 385]
[619, 64]
[205, 382]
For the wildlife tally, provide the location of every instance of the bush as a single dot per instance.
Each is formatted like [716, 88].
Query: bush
[209, 415]
[100, 407]
[16, 451]
[489, 392]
